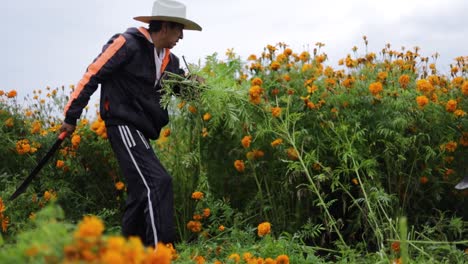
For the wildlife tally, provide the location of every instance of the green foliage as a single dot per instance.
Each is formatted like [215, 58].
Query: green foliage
[333, 159]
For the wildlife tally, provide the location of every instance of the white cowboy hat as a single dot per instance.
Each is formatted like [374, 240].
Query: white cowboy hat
[169, 10]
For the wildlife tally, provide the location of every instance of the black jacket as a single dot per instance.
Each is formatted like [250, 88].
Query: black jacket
[126, 70]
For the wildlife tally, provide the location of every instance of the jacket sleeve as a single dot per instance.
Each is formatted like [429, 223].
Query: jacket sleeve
[113, 55]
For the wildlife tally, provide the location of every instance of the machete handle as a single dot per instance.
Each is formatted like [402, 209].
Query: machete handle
[62, 135]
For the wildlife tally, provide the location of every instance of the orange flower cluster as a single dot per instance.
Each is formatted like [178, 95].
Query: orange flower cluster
[255, 94]
[404, 81]
[254, 154]
[276, 142]
[246, 140]
[89, 246]
[12, 94]
[23, 147]
[9, 122]
[119, 185]
[451, 106]
[99, 127]
[239, 165]
[422, 101]
[263, 229]
[248, 257]
[197, 195]
[292, 154]
[464, 88]
[206, 117]
[375, 88]
[194, 226]
[75, 140]
[276, 111]
[4, 220]
[50, 195]
[36, 127]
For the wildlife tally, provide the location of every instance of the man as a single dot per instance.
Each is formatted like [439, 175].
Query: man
[130, 69]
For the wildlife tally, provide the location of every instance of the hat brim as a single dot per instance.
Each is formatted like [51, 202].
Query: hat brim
[188, 24]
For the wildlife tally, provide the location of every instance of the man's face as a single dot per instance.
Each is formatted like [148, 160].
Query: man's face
[173, 34]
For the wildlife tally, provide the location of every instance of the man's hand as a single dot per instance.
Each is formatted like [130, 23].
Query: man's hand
[67, 128]
[197, 78]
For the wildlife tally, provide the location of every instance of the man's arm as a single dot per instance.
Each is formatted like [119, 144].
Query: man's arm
[113, 55]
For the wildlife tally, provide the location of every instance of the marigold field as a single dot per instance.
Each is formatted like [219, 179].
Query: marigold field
[277, 158]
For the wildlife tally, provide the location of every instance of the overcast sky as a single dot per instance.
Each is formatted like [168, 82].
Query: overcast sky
[51, 42]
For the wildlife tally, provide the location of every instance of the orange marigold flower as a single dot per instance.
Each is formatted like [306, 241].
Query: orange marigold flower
[256, 81]
[275, 65]
[181, 105]
[204, 132]
[355, 181]
[375, 88]
[5, 222]
[246, 140]
[50, 195]
[422, 100]
[60, 164]
[277, 142]
[424, 85]
[235, 257]
[192, 109]
[2, 206]
[197, 195]
[382, 76]
[221, 228]
[252, 57]
[119, 185]
[459, 113]
[255, 94]
[206, 212]
[206, 116]
[89, 227]
[247, 256]
[451, 105]
[163, 254]
[11, 94]
[464, 88]
[396, 246]
[36, 127]
[287, 51]
[276, 111]
[166, 132]
[451, 146]
[76, 139]
[292, 153]
[263, 229]
[282, 259]
[423, 180]
[239, 165]
[304, 56]
[200, 260]
[197, 217]
[9, 122]
[194, 226]
[404, 81]
[270, 261]
[23, 147]
[286, 77]
[258, 153]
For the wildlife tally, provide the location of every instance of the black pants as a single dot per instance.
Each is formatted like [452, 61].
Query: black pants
[149, 209]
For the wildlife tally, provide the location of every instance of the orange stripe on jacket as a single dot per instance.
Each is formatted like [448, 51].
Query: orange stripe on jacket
[166, 59]
[95, 67]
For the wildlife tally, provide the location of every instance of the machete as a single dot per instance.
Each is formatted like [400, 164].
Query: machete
[39, 166]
